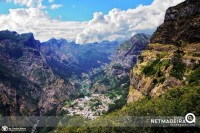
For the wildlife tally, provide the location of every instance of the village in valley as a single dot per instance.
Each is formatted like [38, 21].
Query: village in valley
[90, 107]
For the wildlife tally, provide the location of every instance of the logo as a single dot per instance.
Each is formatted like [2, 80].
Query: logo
[4, 128]
[190, 118]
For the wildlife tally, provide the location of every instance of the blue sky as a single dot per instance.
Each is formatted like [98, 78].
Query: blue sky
[83, 9]
[83, 21]
[80, 10]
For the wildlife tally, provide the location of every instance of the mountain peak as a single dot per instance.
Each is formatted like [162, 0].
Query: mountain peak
[140, 36]
[26, 39]
[182, 23]
[183, 11]
[54, 40]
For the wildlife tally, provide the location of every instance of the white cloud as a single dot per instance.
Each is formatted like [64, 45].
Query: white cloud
[122, 24]
[28, 3]
[56, 6]
[116, 25]
[37, 21]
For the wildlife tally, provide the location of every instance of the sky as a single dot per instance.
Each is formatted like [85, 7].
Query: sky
[83, 21]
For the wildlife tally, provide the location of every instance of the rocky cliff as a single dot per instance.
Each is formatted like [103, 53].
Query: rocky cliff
[172, 59]
[181, 24]
[28, 86]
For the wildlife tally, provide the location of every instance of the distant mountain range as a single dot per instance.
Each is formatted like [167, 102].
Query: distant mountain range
[68, 58]
[37, 78]
[151, 76]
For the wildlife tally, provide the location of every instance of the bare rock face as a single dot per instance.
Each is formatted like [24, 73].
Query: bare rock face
[134, 95]
[28, 86]
[182, 23]
[183, 11]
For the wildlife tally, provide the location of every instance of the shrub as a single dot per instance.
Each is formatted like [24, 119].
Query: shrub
[178, 70]
[117, 66]
[194, 78]
[150, 69]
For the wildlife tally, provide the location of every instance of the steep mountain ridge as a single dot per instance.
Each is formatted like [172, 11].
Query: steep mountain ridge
[181, 24]
[28, 84]
[124, 58]
[128, 51]
[172, 57]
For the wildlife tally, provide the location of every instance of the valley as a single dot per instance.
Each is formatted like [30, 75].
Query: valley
[105, 76]
[105, 86]
[59, 71]
[163, 82]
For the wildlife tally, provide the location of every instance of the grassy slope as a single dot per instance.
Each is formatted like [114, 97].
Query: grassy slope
[176, 102]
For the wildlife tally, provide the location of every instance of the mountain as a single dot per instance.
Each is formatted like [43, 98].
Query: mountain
[124, 58]
[181, 24]
[165, 81]
[97, 70]
[112, 79]
[170, 60]
[128, 51]
[70, 59]
[38, 78]
[28, 85]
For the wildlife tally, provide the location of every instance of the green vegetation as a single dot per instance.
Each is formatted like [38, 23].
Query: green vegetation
[176, 102]
[194, 78]
[120, 98]
[117, 66]
[12, 79]
[41, 75]
[151, 68]
[89, 59]
[16, 53]
[179, 43]
[95, 76]
[155, 69]
[178, 68]
[67, 103]
[125, 46]
[196, 54]
[95, 103]
[140, 58]
[8, 35]
[165, 63]
[118, 87]
[105, 81]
